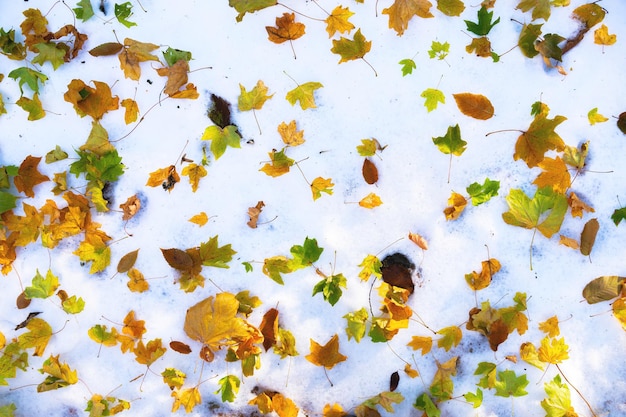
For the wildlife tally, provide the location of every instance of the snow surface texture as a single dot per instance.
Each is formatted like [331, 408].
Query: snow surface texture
[353, 104]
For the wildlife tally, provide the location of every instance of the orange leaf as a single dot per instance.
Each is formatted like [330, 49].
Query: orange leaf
[130, 207]
[337, 21]
[165, 177]
[28, 176]
[424, 343]
[418, 240]
[283, 406]
[132, 110]
[328, 355]
[370, 172]
[290, 134]
[569, 242]
[457, 205]
[188, 398]
[480, 281]
[474, 105]
[133, 53]
[254, 213]
[550, 327]
[269, 328]
[180, 347]
[176, 76]
[137, 282]
[147, 354]
[482, 47]
[540, 137]
[333, 411]
[287, 29]
[577, 205]
[555, 174]
[26, 228]
[321, 185]
[190, 92]
[94, 102]
[412, 373]
[402, 11]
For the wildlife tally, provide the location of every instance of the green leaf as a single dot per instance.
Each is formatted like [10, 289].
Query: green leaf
[451, 336]
[3, 109]
[286, 345]
[351, 49]
[488, 370]
[304, 255]
[221, 138]
[173, 377]
[229, 387]
[28, 76]
[475, 399]
[304, 94]
[275, 266]
[7, 201]
[385, 399]
[508, 384]
[123, 12]
[213, 255]
[371, 266]
[484, 24]
[52, 52]
[618, 215]
[527, 37]
[10, 48]
[73, 305]
[439, 50]
[451, 7]
[7, 410]
[482, 193]
[57, 154]
[172, 56]
[32, 106]
[84, 11]
[451, 143]
[589, 14]
[330, 287]
[248, 266]
[408, 65]
[432, 96]
[426, 404]
[249, 6]
[42, 287]
[541, 8]
[13, 358]
[357, 321]
[247, 303]
[558, 402]
[549, 46]
[544, 212]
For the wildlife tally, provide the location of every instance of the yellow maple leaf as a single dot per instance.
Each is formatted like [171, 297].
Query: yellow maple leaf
[555, 174]
[200, 219]
[402, 11]
[290, 134]
[284, 406]
[321, 185]
[165, 177]
[528, 353]
[214, 322]
[61, 375]
[132, 110]
[595, 117]
[176, 76]
[370, 201]
[26, 227]
[253, 99]
[137, 282]
[263, 402]
[94, 249]
[601, 36]
[480, 281]
[412, 373]
[190, 91]
[188, 398]
[195, 172]
[150, 352]
[37, 337]
[337, 21]
[619, 311]
[550, 327]
[553, 350]
[481, 46]
[457, 205]
[133, 53]
[328, 355]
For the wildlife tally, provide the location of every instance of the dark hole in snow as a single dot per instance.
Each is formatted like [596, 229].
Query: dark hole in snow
[397, 270]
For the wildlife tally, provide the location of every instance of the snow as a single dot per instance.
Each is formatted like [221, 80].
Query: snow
[353, 104]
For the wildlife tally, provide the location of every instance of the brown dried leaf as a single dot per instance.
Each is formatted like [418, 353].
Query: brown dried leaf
[176, 76]
[588, 236]
[180, 347]
[370, 172]
[105, 49]
[578, 206]
[130, 207]
[127, 262]
[178, 259]
[418, 240]
[269, 328]
[569, 242]
[474, 105]
[254, 213]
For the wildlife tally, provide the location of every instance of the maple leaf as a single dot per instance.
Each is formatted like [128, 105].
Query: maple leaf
[133, 53]
[555, 174]
[618, 215]
[442, 386]
[37, 337]
[541, 8]
[550, 326]
[408, 65]
[176, 76]
[73, 305]
[423, 343]
[370, 201]
[303, 93]
[527, 38]
[173, 377]
[83, 11]
[305, 255]
[98, 140]
[474, 105]
[13, 358]
[351, 49]
[538, 139]
[481, 46]
[451, 7]
[131, 207]
[137, 282]
[594, 117]
[480, 281]
[194, 172]
[57, 154]
[451, 336]
[337, 21]
[221, 138]
[553, 350]
[425, 403]
[402, 11]
[334, 410]
[94, 102]
[330, 287]
[132, 110]
[549, 48]
[287, 29]
[42, 287]
[370, 265]
[165, 177]
[10, 48]
[290, 134]
[558, 401]
[482, 193]
[229, 387]
[280, 164]
[52, 52]
[29, 77]
[188, 398]
[99, 406]
[28, 176]
[254, 213]
[356, 324]
[433, 97]
[150, 352]
[214, 322]
[321, 185]
[59, 375]
[327, 355]
[32, 107]
[253, 99]
[249, 6]
[385, 399]
[451, 143]
[484, 24]
[122, 12]
[27, 227]
[213, 255]
[509, 384]
[439, 50]
[531, 213]
[95, 249]
[275, 266]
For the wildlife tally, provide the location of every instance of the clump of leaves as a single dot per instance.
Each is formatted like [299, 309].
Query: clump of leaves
[497, 324]
[477, 193]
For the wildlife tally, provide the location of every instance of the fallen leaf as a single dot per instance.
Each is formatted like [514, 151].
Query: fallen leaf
[287, 29]
[180, 347]
[484, 24]
[540, 8]
[451, 7]
[370, 172]
[553, 350]
[105, 49]
[555, 174]
[304, 93]
[89, 101]
[269, 328]
[550, 326]
[165, 177]
[133, 53]
[418, 240]
[370, 201]
[397, 270]
[37, 337]
[246, 6]
[321, 185]
[351, 49]
[474, 105]
[545, 211]
[479, 281]
[327, 355]
[337, 21]
[480, 46]
[176, 76]
[432, 96]
[290, 134]
[456, 206]
[28, 176]
[569, 242]
[221, 138]
[188, 398]
[60, 375]
[594, 117]
[200, 219]
[127, 261]
[280, 164]
[402, 11]
[195, 172]
[254, 213]
[130, 207]
[577, 205]
[334, 410]
[253, 99]
[137, 282]
[601, 36]
[132, 110]
[588, 236]
[423, 343]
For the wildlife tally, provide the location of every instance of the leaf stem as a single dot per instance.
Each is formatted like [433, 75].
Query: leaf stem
[326, 373]
[301, 14]
[449, 167]
[370, 65]
[504, 130]
[530, 250]
[292, 49]
[576, 389]
[257, 121]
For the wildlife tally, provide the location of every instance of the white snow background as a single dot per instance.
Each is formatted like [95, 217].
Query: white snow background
[353, 104]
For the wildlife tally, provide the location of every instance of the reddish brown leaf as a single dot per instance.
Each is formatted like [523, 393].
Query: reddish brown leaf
[130, 207]
[28, 176]
[474, 105]
[178, 259]
[180, 347]
[498, 333]
[269, 328]
[287, 29]
[397, 270]
[127, 261]
[22, 302]
[370, 172]
[254, 213]
[108, 48]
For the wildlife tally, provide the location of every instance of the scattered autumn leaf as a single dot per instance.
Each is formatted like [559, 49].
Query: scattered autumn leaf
[132, 110]
[133, 53]
[350, 49]
[130, 207]
[165, 177]
[287, 29]
[555, 174]
[418, 240]
[402, 11]
[588, 236]
[369, 171]
[304, 93]
[28, 176]
[474, 105]
[370, 201]
[601, 36]
[254, 213]
[200, 219]
[290, 134]
[337, 21]
[327, 355]
[195, 172]
[456, 206]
